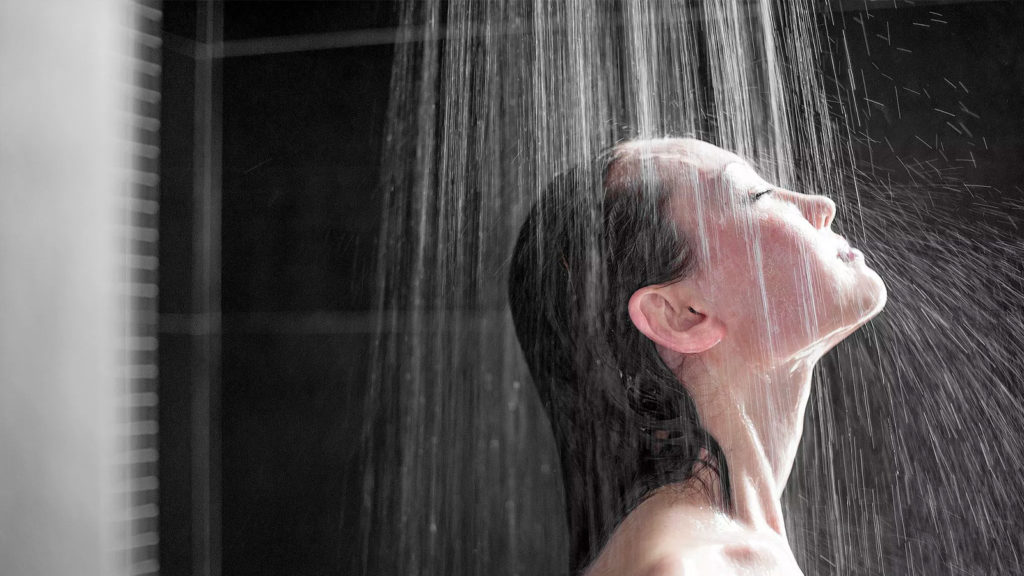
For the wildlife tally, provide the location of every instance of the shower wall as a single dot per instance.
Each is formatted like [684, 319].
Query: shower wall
[300, 137]
[259, 466]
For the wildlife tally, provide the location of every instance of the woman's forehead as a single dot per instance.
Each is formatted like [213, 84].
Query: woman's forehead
[742, 176]
[672, 158]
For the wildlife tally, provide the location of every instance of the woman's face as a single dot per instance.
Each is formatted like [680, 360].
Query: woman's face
[769, 265]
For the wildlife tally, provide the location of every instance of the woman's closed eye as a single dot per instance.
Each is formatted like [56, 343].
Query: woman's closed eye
[756, 195]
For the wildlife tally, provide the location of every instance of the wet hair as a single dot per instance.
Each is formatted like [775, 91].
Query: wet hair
[623, 423]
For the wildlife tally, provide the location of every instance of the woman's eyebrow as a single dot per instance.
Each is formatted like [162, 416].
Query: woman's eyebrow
[740, 161]
[760, 185]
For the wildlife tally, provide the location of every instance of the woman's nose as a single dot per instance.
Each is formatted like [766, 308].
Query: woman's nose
[819, 210]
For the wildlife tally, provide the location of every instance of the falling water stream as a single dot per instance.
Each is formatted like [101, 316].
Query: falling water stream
[911, 457]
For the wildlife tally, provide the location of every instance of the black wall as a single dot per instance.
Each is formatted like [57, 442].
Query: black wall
[301, 143]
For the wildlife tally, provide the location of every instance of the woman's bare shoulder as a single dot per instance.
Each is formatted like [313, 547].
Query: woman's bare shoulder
[675, 538]
[661, 540]
[722, 559]
[675, 564]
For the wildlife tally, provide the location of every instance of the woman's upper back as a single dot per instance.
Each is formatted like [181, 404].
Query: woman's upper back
[668, 535]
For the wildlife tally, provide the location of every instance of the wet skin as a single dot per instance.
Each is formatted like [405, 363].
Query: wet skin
[775, 289]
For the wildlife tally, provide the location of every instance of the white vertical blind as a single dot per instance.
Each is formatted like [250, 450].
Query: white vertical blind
[77, 403]
[138, 529]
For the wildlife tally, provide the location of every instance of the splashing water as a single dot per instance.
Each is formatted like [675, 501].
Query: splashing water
[909, 462]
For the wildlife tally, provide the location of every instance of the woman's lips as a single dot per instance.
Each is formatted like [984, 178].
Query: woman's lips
[848, 254]
[844, 251]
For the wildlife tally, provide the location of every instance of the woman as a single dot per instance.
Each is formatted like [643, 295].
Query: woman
[672, 305]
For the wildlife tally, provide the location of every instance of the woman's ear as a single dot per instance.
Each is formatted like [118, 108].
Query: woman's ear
[661, 314]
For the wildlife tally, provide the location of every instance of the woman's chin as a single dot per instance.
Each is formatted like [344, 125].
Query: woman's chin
[876, 295]
[871, 297]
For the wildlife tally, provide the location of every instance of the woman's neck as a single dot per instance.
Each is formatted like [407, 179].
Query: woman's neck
[757, 420]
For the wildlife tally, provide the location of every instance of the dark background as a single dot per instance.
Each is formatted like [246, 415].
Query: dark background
[298, 212]
[301, 145]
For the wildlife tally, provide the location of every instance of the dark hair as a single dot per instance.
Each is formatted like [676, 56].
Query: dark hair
[623, 422]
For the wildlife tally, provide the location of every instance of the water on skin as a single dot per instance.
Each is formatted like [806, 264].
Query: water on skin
[911, 459]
